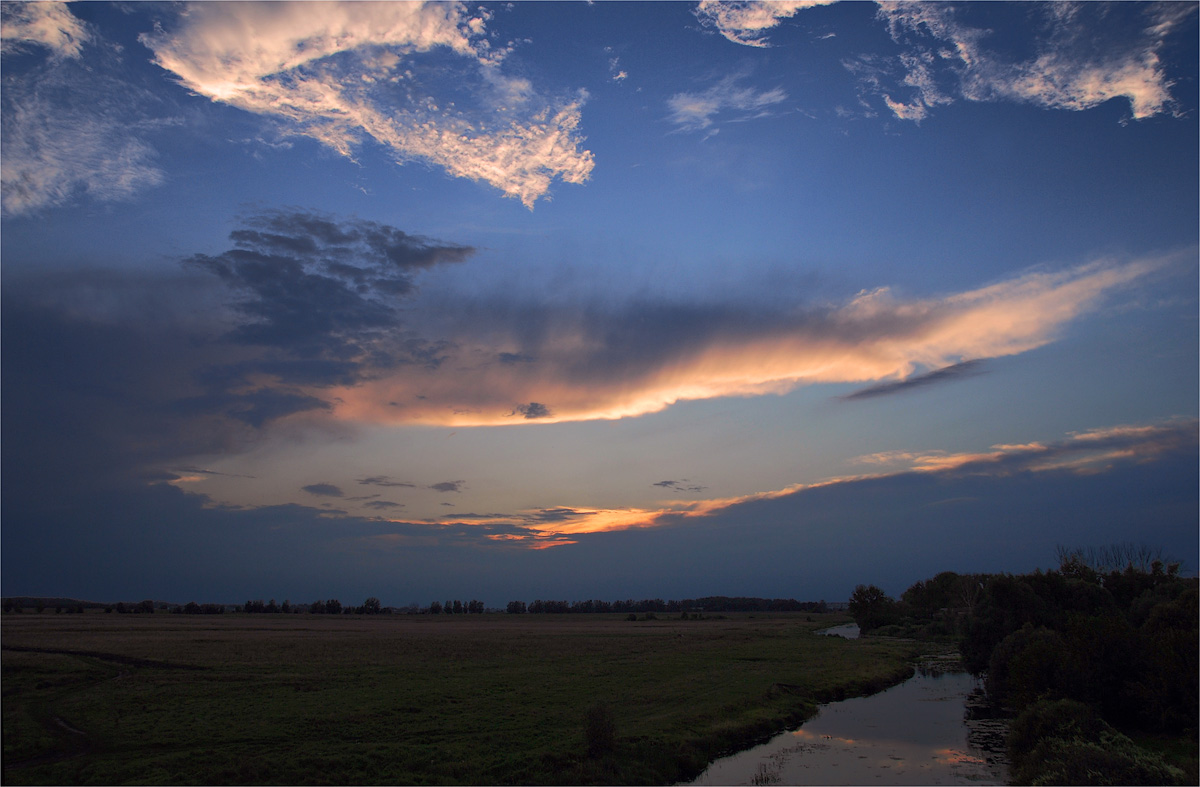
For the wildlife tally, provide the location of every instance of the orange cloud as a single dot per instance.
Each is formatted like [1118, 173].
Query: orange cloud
[1079, 453]
[580, 373]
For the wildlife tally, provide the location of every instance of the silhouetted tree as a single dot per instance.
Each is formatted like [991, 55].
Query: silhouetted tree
[872, 608]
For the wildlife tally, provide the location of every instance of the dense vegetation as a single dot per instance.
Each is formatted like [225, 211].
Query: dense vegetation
[1090, 658]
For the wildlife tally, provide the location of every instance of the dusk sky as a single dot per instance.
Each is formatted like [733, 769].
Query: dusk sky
[613, 300]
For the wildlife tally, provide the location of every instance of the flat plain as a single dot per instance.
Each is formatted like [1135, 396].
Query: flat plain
[412, 699]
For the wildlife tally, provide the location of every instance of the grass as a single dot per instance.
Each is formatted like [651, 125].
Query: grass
[499, 699]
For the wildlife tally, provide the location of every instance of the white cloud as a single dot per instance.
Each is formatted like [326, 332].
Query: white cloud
[48, 24]
[339, 72]
[696, 111]
[1081, 59]
[747, 21]
[53, 153]
[68, 127]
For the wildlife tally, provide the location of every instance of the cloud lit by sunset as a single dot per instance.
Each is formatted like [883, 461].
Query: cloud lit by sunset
[783, 297]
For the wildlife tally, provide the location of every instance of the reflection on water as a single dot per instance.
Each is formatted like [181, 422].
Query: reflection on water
[932, 729]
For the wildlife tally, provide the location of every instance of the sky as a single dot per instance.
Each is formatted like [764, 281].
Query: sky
[512, 301]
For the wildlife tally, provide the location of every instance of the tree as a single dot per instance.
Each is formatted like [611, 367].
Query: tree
[872, 608]
[435, 608]
[333, 606]
[372, 606]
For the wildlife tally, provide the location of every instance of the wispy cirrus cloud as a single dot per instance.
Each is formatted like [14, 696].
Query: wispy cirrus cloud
[1090, 451]
[727, 99]
[1083, 54]
[69, 128]
[344, 72]
[747, 22]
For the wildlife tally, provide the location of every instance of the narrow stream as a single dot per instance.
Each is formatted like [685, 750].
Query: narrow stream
[934, 728]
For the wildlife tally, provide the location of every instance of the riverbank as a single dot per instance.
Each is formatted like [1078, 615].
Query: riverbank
[503, 699]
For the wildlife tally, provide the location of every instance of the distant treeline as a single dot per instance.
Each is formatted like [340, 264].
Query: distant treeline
[706, 604]
[372, 606]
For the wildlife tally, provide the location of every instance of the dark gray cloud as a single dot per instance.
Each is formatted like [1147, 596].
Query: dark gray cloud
[382, 504]
[382, 480]
[946, 374]
[365, 246]
[447, 486]
[681, 486]
[532, 410]
[204, 471]
[324, 490]
[324, 293]
[548, 515]
[117, 375]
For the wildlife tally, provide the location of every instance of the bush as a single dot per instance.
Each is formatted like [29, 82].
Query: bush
[1066, 742]
[1029, 664]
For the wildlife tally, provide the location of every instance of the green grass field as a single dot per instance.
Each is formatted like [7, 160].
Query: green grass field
[467, 699]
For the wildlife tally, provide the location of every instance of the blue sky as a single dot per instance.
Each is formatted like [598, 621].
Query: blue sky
[570, 300]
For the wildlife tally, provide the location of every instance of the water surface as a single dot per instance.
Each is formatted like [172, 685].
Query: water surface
[931, 729]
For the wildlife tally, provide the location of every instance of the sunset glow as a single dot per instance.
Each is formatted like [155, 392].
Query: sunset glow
[784, 297]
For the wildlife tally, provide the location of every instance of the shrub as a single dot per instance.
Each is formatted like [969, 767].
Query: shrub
[1066, 742]
[1029, 664]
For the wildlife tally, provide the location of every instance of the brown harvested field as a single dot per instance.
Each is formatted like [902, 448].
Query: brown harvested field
[107, 698]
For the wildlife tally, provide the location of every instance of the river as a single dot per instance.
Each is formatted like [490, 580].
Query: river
[932, 729]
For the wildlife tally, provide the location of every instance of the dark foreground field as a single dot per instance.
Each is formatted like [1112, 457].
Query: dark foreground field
[479, 699]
